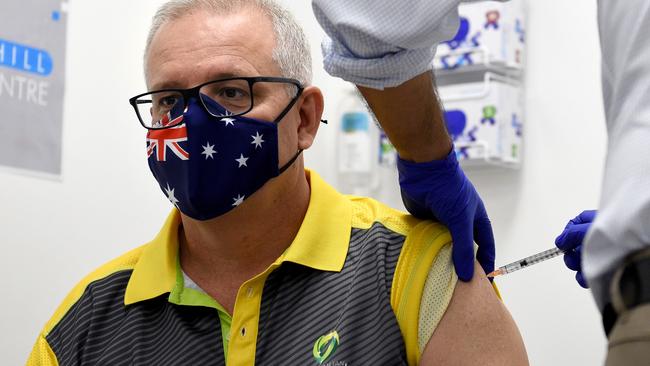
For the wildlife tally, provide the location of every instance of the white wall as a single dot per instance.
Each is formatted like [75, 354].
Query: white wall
[563, 163]
[53, 233]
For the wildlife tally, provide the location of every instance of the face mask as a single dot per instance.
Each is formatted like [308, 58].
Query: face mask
[207, 166]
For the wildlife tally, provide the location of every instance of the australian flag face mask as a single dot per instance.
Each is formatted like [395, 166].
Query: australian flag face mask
[207, 165]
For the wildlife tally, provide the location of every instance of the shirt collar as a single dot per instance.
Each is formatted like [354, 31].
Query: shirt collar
[155, 272]
[321, 243]
[324, 237]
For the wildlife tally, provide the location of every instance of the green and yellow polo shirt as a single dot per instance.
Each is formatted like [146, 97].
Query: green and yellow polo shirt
[361, 284]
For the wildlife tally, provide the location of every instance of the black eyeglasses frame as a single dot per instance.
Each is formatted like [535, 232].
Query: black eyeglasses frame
[193, 92]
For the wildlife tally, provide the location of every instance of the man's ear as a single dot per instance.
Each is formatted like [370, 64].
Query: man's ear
[311, 111]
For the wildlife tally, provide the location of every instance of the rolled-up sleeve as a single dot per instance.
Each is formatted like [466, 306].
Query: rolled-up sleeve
[381, 44]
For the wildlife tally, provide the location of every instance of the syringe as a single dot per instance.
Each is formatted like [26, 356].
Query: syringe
[526, 262]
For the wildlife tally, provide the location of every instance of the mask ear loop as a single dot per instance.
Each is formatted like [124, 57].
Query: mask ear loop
[286, 110]
[289, 163]
[279, 119]
[288, 107]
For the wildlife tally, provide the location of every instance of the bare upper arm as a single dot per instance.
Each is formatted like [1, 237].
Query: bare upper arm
[476, 329]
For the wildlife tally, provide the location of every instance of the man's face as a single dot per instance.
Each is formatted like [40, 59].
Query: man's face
[203, 46]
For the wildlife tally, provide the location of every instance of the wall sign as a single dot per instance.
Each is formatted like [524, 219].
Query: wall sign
[32, 74]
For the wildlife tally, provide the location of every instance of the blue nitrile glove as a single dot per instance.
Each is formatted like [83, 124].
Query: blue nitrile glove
[571, 242]
[440, 190]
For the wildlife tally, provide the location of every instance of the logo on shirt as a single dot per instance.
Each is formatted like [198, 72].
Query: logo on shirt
[325, 346]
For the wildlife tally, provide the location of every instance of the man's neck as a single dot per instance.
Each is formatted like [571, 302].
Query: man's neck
[230, 249]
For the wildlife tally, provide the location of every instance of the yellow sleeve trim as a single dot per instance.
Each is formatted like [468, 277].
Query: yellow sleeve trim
[124, 262]
[418, 253]
[496, 290]
[42, 354]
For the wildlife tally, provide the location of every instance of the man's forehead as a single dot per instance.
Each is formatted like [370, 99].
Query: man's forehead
[181, 72]
[203, 44]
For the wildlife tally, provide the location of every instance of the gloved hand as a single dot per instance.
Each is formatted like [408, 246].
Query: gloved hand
[571, 242]
[440, 190]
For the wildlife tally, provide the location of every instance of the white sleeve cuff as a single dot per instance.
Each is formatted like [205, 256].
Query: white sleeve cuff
[387, 70]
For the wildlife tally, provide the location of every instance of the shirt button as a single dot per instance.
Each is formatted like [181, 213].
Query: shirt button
[250, 292]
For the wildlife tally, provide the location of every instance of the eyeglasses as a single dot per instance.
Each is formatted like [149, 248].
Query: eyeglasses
[236, 96]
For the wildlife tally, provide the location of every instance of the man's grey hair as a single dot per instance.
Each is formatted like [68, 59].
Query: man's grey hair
[292, 51]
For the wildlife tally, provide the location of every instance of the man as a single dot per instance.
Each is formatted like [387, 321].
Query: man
[387, 49]
[617, 249]
[262, 262]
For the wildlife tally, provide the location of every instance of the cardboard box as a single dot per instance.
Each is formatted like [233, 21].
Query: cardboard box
[485, 120]
[490, 33]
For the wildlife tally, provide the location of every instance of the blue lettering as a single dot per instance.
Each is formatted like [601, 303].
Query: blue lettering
[25, 58]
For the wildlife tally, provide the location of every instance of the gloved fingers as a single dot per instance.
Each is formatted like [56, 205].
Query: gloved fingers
[585, 217]
[415, 208]
[484, 237]
[572, 259]
[581, 280]
[441, 187]
[462, 251]
[572, 236]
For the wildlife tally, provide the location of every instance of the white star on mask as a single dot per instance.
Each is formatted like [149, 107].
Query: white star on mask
[229, 121]
[238, 200]
[208, 151]
[242, 160]
[257, 140]
[170, 195]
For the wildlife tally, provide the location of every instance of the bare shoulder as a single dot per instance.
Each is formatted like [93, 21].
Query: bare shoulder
[476, 329]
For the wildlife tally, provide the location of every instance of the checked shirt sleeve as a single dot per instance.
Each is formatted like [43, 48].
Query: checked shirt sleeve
[381, 44]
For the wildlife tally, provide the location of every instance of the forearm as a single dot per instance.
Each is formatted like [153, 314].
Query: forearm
[412, 118]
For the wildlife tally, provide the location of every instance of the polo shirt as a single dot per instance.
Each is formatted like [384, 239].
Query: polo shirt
[360, 284]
